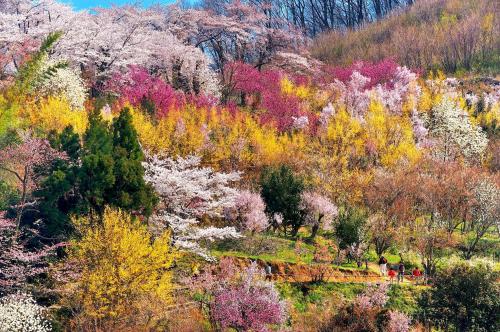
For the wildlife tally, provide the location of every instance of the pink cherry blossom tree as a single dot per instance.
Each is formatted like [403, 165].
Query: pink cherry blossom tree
[21, 160]
[17, 263]
[249, 212]
[320, 211]
[240, 299]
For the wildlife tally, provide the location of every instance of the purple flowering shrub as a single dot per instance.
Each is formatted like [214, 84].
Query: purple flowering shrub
[240, 299]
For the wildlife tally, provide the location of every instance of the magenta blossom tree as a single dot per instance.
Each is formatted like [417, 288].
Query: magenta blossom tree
[141, 89]
[261, 90]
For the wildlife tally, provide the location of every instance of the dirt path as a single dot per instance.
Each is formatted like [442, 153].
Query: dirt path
[292, 272]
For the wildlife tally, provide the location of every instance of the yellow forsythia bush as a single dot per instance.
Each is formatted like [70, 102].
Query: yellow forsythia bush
[55, 113]
[121, 265]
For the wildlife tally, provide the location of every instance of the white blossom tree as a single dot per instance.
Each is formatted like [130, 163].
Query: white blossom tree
[235, 31]
[107, 40]
[453, 135]
[188, 194]
[485, 214]
[56, 79]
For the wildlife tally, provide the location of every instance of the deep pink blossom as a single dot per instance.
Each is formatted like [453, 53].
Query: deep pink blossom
[248, 304]
[138, 87]
[261, 91]
[379, 72]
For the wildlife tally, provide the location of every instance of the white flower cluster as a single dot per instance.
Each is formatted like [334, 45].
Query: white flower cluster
[326, 113]
[454, 134]
[300, 122]
[64, 82]
[20, 313]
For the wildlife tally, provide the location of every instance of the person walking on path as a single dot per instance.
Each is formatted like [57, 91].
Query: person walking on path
[268, 270]
[392, 274]
[417, 274]
[401, 271]
[382, 262]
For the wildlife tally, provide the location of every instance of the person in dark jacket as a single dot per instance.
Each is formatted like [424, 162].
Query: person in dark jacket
[401, 271]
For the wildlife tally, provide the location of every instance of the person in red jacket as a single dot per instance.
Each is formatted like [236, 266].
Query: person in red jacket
[417, 274]
[392, 274]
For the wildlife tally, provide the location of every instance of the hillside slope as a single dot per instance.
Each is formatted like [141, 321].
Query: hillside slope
[452, 35]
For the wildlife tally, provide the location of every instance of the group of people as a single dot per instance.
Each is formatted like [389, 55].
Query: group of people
[398, 271]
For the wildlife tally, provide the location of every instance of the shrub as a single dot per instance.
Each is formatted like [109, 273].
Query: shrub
[464, 297]
[20, 313]
[122, 269]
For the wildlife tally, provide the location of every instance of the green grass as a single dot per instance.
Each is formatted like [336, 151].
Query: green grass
[272, 248]
[267, 247]
[403, 298]
[301, 295]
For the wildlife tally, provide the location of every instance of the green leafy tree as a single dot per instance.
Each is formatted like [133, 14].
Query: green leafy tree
[130, 191]
[281, 191]
[463, 298]
[106, 170]
[350, 227]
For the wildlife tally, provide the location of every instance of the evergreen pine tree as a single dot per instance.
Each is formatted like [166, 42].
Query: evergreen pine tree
[130, 191]
[58, 194]
[97, 178]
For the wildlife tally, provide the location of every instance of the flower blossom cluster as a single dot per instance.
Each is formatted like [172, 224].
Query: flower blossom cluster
[20, 313]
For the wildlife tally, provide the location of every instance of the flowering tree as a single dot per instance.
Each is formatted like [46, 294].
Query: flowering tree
[373, 296]
[366, 313]
[234, 31]
[108, 39]
[120, 265]
[391, 88]
[21, 161]
[188, 193]
[485, 214]
[353, 94]
[20, 313]
[17, 263]
[240, 299]
[453, 135]
[249, 212]
[262, 90]
[398, 322]
[140, 88]
[57, 79]
[320, 211]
